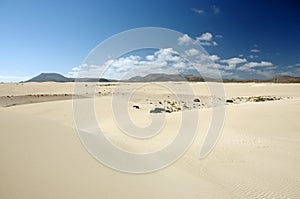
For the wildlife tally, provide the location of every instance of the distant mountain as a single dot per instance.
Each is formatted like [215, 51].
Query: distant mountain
[55, 77]
[285, 79]
[277, 79]
[49, 77]
[159, 77]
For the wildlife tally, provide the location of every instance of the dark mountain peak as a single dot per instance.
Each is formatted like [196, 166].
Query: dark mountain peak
[50, 77]
[55, 77]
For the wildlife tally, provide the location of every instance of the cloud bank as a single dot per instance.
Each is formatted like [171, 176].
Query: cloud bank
[167, 60]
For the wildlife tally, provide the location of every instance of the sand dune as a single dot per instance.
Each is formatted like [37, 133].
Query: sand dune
[257, 155]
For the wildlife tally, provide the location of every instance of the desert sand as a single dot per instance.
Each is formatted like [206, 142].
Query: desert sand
[257, 155]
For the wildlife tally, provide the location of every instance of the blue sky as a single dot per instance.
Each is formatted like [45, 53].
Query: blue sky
[56, 36]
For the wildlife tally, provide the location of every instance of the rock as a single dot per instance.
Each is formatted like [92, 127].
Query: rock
[229, 101]
[157, 110]
[136, 106]
[196, 100]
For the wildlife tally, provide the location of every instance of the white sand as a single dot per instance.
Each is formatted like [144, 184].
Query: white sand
[257, 156]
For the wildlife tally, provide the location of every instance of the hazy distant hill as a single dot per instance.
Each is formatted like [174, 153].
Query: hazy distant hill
[192, 78]
[158, 77]
[285, 79]
[55, 77]
[277, 79]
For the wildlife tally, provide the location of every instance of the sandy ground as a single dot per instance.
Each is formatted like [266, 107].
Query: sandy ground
[257, 156]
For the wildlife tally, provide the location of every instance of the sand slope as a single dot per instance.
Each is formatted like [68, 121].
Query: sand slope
[257, 156]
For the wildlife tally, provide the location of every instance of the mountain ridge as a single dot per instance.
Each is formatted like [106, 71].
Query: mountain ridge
[158, 77]
[56, 77]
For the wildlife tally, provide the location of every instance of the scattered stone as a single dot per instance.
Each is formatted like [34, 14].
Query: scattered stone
[197, 100]
[136, 106]
[253, 99]
[185, 106]
[158, 110]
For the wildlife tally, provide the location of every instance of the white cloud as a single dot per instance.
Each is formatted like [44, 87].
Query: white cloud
[164, 60]
[167, 54]
[181, 64]
[150, 57]
[234, 61]
[250, 65]
[167, 60]
[214, 57]
[198, 11]
[255, 50]
[206, 59]
[214, 43]
[293, 71]
[185, 40]
[293, 66]
[267, 74]
[207, 43]
[259, 64]
[205, 37]
[192, 52]
[253, 56]
[126, 61]
[216, 10]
